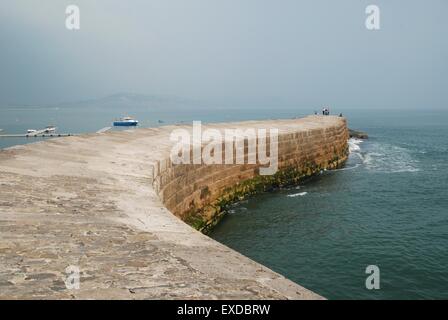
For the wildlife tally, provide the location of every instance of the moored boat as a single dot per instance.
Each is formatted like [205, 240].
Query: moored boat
[50, 129]
[125, 122]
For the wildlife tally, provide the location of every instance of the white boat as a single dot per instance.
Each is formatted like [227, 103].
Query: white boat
[125, 122]
[50, 129]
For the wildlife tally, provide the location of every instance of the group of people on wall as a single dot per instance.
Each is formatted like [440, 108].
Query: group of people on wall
[326, 112]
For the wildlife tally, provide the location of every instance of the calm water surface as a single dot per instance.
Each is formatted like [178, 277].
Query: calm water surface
[388, 207]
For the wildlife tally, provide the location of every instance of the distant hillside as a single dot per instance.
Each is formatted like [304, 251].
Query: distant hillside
[133, 100]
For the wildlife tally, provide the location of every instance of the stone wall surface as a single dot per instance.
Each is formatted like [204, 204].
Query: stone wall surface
[198, 193]
[110, 204]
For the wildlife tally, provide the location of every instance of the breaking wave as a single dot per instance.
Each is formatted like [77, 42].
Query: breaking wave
[353, 145]
[382, 157]
[300, 194]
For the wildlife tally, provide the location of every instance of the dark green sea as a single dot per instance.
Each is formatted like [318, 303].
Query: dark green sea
[388, 207]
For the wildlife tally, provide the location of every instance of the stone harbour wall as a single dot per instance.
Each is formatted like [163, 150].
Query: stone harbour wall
[109, 205]
[198, 194]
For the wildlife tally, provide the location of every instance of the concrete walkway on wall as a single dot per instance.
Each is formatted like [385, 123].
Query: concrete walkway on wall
[88, 201]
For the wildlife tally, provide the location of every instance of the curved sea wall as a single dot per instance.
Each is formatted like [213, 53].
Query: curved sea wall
[108, 205]
[199, 193]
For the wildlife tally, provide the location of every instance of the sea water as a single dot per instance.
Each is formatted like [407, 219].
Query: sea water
[387, 207]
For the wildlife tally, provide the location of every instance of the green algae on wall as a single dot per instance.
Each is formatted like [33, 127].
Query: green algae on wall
[206, 218]
[198, 193]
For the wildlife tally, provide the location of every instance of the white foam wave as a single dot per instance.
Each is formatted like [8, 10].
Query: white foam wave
[353, 145]
[390, 159]
[348, 168]
[300, 194]
[382, 157]
[355, 150]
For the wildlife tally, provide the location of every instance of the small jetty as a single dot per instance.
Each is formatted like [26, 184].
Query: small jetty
[36, 135]
[104, 130]
[47, 132]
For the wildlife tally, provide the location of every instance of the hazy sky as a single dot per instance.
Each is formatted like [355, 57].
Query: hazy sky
[278, 52]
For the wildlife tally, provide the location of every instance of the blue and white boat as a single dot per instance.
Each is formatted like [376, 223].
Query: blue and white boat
[125, 122]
